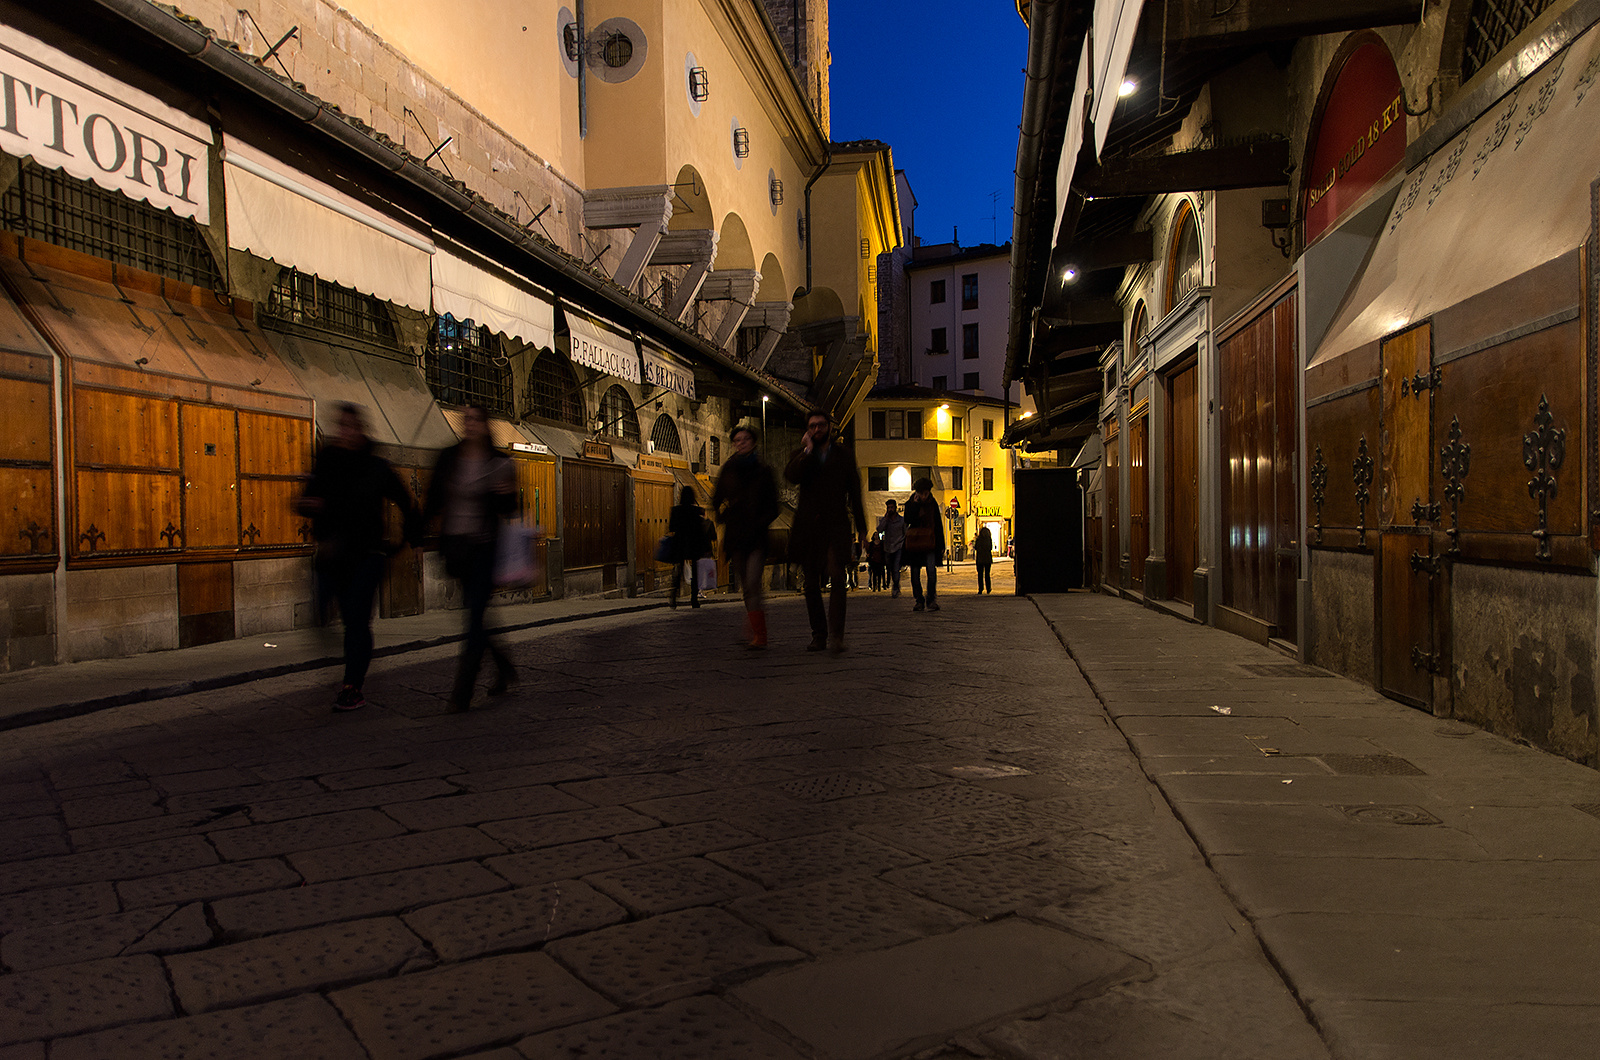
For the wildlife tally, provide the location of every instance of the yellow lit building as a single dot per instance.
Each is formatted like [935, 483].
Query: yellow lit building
[904, 433]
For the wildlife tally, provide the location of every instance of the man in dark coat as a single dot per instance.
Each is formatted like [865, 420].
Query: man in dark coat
[349, 483]
[829, 508]
[687, 525]
[746, 502]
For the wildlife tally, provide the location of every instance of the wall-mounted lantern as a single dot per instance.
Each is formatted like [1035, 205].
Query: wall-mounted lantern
[775, 191]
[699, 84]
[741, 142]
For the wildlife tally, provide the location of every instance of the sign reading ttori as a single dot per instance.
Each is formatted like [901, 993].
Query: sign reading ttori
[67, 115]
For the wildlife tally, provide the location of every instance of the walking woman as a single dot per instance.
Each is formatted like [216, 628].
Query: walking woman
[924, 543]
[473, 486]
[746, 502]
[984, 551]
[687, 525]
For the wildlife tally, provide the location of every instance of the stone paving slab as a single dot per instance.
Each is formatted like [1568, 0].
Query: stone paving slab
[87, 940]
[305, 1026]
[209, 883]
[698, 1028]
[849, 915]
[916, 995]
[520, 919]
[116, 863]
[400, 852]
[480, 1003]
[347, 899]
[81, 997]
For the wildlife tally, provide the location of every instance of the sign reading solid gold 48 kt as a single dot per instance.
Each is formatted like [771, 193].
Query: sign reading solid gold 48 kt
[1368, 139]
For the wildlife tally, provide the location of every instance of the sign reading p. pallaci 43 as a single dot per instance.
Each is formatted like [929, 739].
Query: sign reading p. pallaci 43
[67, 115]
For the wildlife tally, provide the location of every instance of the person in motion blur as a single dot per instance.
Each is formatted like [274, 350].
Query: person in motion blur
[875, 580]
[829, 508]
[687, 525]
[924, 543]
[893, 528]
[983, 550]
[344, 499]
[746, 503]
[473, 486]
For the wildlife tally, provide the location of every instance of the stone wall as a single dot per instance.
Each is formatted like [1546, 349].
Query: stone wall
[121, 611]
[27, 621]
[1340, 637]
[271, 595]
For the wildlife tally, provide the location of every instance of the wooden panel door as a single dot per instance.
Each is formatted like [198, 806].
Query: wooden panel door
[652, 509]
[128, 492]
[27, 513]
[1113, 510]
[1138, 499]
[274, 452]
[1183, 483]
[210, 472]
[594, 514]
[1406, 658]
[536, 498]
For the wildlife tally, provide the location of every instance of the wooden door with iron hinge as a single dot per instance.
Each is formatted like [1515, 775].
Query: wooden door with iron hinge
[1408, 568]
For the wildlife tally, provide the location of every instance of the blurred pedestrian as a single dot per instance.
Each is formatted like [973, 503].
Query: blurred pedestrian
[875, 579]
[924, 543]
[473, 487]
[687, 525]
[828, 521]
[344, 498]
[893, 528]
[746, 503]
[983, 550]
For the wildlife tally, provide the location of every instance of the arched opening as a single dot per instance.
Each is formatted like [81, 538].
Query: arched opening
[1183, 258]
[617, 418]
[1139, 329]
[664, 436]
[552, 392]
[815, 306]
[772, 281]
[733, 245]
[691, 203]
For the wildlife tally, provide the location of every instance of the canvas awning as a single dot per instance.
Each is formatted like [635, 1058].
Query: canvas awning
[664, 370]
[1479, 212]
[469, 288]
[601, 345]
[398, 408]
[278, 213]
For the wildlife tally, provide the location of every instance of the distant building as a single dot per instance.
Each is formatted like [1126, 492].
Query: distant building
[959, 302]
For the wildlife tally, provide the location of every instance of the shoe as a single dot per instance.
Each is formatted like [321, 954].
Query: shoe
[817, 644]
[349, 698]
[504, 679]
[895, 595]
[836, 644]
[932, 606]
[758, 630]
[920, 606]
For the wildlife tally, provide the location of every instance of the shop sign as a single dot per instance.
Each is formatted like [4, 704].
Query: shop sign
[666, 373]
[1360, 139]
[594, 345]
[67, 115]
[992, 512]
[531, 447]
[597, 451]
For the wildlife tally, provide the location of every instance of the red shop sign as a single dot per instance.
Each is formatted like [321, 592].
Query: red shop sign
[1361, 137]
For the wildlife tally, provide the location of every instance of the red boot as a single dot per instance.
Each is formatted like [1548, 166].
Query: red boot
[758, 629]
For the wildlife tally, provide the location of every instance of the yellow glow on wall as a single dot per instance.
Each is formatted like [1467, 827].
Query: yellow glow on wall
[900, 480]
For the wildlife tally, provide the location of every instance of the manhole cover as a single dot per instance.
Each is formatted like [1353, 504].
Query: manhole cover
[1455, 732]
[1390, 814]
[830, 787]
[1369, 765]
[1590, 808]
[1283, 670]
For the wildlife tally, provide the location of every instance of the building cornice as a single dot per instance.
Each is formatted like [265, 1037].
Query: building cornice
[751, 35]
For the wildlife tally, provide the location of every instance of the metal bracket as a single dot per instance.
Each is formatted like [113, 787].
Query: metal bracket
[1361, 469]
[1544, 449]
[251, 532]
[1426, 513]
[1425, 660]
[1420, 382]
[1319, 491]
[1429, 565]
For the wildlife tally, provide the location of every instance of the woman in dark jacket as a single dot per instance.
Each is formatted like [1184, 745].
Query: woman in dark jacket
[687, 525]
[746, 502]
[924, 525]
[472, 488]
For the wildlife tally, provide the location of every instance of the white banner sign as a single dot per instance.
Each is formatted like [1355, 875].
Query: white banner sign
[665, 372]
[66, 115]
[595, 345]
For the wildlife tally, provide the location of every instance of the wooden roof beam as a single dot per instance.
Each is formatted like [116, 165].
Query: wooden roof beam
[1193, 24]
[1258, 165]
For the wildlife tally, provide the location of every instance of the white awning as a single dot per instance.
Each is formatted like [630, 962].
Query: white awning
[489, 297]
[668, 372]
[1506, 195]
[280, 214]
[67, 115]
[602, 346]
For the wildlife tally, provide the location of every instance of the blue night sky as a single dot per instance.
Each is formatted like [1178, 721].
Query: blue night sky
[939, 81]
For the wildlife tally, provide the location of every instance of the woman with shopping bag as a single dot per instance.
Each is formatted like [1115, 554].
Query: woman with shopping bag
[687, 529]
[472, 489]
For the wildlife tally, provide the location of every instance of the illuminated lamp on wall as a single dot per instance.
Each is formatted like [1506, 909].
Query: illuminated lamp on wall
[775, 191]
[699, 84]
[741, 142]
[900, 480]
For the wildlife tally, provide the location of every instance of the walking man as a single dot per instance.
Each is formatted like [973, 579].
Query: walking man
[829, 508]
[984, 552]
[924, 543]
[893, 529]
[746, 502]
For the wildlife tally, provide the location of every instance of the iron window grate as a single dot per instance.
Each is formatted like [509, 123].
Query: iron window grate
[1493, 24]
[464, 367]
[665, 436]
[552, 391]
[617, 417]
[57, 208]
[310, 301]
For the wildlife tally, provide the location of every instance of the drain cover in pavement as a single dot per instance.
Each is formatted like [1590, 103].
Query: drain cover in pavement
[1283, 670]
[1590, 808]
[1370, 765]
[1390, 815]
[830, 787]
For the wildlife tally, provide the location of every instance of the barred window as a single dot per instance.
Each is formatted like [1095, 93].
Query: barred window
[716, 450]
[464, 366]
[665, 436]
[617, 417]
[310, 301]
[552, 392]
[1493, 24]
[55, 207]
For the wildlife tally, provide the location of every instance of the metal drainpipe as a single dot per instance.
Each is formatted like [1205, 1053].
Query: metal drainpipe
[583, 79]
[811, 227]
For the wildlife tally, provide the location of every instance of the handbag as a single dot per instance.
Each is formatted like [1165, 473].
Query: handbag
[707, 570]
[921, 539]
[514, 564]
[664, 549]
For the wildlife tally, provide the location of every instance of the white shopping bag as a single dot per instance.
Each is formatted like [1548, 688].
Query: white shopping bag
[707, 568]
[516, 561]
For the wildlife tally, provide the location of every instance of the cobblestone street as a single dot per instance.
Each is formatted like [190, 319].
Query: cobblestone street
[939, 843]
